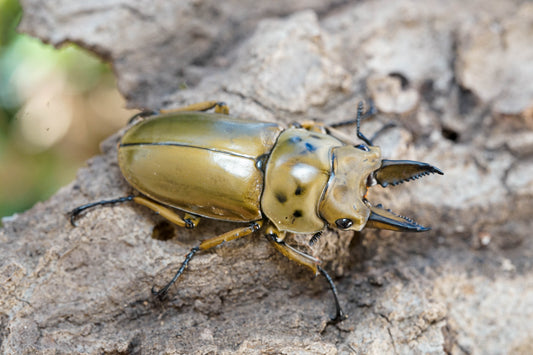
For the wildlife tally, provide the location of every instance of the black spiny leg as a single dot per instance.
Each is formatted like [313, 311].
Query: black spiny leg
[75, 212]
[188, 221]
[208, 244]
[339, 314]
[162, 292]
[276, 236]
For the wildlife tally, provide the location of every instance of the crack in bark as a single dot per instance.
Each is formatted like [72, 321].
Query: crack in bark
[392, 340]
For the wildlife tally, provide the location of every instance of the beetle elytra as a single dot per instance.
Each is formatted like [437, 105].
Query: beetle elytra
[302, 179]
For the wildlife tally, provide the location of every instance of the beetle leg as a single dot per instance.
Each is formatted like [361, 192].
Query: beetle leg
[276, 238]
[311, 126]
[208, 244]
[231, 235]
[339, 313]
[140, 115]
[188, 221]
[76, 212]
[220, 107]
[331, 129]
[191, 220]
[337, 133]
[321, 128]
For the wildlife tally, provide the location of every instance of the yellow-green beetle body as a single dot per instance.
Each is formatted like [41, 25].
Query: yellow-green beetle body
[303, 179]
[220, 167]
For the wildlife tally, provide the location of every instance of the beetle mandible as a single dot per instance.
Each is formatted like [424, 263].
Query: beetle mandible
[302, 179]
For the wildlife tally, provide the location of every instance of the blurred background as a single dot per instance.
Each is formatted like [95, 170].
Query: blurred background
[56, 106]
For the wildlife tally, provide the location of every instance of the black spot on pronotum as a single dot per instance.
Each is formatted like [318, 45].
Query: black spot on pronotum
[297, 213]
[295, 139]
[310, 147]
[280, 196]
[315, 136]
[299, 190]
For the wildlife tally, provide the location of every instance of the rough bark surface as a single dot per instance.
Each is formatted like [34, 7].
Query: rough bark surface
[456, 79]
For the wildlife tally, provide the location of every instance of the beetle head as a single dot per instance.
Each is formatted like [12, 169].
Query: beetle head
[355, 169]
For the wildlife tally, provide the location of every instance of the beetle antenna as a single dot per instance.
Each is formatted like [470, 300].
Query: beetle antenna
[383, 129]
[361, 116]
[315, 238]
[75, 212]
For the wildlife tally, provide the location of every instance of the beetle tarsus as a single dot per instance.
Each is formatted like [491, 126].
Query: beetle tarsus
[162, 292]
[188, 223]
[221, 107]
[75, 212]
[256, 226]
[339, 313]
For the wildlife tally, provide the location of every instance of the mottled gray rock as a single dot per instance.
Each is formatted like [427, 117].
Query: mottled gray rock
[493, 59]
[155, 45]
[432, 69]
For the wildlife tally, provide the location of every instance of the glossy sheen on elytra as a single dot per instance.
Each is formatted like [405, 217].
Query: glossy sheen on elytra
[201, 163]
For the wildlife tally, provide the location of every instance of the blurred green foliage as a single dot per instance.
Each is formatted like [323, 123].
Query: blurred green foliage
[36, 154]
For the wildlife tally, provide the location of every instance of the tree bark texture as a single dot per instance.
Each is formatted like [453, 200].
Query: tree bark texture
[456, 79]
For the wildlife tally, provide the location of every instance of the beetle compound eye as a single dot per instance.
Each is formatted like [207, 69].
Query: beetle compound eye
[344, 223]
[371, 180]
[362, 147]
